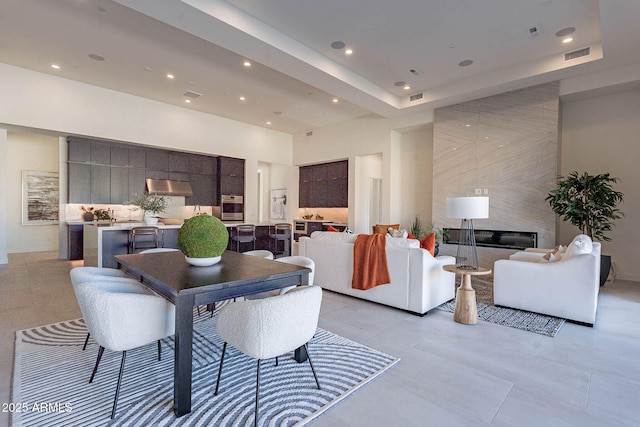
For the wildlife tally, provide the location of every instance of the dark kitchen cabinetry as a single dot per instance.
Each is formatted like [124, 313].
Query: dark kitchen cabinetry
[231, 176]
[111, 172]
[324, 185]
[76, 242]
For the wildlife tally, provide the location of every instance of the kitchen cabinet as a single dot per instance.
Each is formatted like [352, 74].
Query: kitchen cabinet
[79, 183]
[324, 185]
[100, 154]
[157, 160]
[119, 156]
[179, 162]
[204, 190]
[75, 246]
[100, 184]
[231, 176]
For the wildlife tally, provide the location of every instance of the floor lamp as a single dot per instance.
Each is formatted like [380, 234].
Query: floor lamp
[467, 209]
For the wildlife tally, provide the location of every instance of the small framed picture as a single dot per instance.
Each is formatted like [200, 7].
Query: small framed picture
[40, 198]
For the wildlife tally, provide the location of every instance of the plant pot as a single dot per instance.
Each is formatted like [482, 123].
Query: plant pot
[203, 262]
[150, 220]
[87, 216]
[605, 267]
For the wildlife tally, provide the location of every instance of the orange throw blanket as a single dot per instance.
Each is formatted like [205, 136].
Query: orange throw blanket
[370, 262]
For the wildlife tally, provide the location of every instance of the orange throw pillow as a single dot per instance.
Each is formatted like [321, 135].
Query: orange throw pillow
[429, 243]
[330, 228]
[411, 236]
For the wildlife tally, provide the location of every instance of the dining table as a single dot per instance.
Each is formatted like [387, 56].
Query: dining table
[186, 286]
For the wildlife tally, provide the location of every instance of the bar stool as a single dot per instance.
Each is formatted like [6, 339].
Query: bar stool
[144, 238]
[245, 233]
[282, 233]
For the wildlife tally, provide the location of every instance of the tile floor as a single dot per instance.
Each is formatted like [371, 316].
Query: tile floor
[450, 374]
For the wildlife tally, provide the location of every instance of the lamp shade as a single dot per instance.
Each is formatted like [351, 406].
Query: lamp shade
[468, 207]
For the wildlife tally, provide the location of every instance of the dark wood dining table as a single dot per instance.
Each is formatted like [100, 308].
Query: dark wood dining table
[236, 275]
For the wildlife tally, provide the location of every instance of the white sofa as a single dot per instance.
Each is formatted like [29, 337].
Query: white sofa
[418, 282]
[567, 288]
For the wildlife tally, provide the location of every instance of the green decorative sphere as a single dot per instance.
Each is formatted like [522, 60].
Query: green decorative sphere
[203, 236]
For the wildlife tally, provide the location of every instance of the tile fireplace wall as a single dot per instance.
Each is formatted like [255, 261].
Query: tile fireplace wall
[508, 145]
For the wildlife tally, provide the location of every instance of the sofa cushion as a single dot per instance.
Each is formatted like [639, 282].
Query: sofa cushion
[400, 242]
[384, 228]
[330, 235]
[580, 245]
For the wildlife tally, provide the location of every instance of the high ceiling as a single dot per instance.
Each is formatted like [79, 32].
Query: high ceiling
[295, 74]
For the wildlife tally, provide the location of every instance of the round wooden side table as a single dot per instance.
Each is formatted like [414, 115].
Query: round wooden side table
[466, 307]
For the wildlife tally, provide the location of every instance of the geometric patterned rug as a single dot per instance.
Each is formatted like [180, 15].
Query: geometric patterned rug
[514, 318]
[51, 374]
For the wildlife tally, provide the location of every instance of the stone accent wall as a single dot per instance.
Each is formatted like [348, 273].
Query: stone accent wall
[506, 145]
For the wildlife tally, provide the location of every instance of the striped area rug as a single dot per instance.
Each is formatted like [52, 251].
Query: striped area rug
[51, 374]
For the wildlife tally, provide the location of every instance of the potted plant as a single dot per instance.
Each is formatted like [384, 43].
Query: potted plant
[150, 205]
[202, 239]
[419, 232]
[590, 203]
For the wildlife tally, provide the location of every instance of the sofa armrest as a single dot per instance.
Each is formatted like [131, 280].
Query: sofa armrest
[429, 284]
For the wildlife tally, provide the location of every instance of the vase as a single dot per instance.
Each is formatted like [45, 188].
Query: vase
[87, 216]
[203, 262]
[150, 220]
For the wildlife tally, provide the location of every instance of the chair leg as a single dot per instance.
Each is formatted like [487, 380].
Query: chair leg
[255, 420]
[86, 340]
[224, 350]
[95, 368]
[115, 399]
[276, 360]
[159, 351]
[198, 307]
[311, 364]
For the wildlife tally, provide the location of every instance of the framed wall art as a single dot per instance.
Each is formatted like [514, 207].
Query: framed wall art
[278, 207]
[40, 198]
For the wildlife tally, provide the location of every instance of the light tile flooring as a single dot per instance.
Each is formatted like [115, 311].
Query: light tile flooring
[450, 374]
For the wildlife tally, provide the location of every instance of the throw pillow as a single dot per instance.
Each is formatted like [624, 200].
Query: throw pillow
[429, 243]
[411, 236]
[580, 245]
[382, 228]
[330, 228]
[399, 242]
[397, 233]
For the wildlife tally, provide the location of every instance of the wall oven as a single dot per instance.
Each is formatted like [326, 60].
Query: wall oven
[231, 208]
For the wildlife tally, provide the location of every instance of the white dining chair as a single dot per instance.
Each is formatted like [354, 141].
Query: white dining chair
[121, 317]
[298, 260]
[270, 327]
[260, 253]
[86, 274]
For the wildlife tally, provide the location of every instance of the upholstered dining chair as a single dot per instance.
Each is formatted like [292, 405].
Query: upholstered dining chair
[121, 317]
[301, 261]
[245, 233]
[270, 327]
[86, 274]
[153, 250]
[260, 253]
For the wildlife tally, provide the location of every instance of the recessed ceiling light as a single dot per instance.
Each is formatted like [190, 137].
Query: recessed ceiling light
[246, 64]
[334, 100]
[188, 101]
[400, 83]
[565, 32]
[96, 57]
[171, 76]
[277, 113]
[467, 125]
[242, 98]
[268, 123]
[348, 52]
[56, 66]
[406, 87]
[465, 63]
[567, 40]
[338, 45]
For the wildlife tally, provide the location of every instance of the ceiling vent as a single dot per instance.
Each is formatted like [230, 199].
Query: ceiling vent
[534, 31]
[416, 96]
[191, 94]
[585, 51]
[415, 72]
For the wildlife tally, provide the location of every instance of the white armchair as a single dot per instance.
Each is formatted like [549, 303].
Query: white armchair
[122, 316]
[270, 327]
[567, 288]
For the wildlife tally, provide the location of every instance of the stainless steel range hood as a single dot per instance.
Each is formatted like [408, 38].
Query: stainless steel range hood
[169, 187]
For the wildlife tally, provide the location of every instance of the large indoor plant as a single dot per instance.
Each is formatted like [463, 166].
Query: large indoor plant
[590, 203]
[150, 205]
[203, 238]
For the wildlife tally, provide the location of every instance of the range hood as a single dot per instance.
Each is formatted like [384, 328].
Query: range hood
[169, 187]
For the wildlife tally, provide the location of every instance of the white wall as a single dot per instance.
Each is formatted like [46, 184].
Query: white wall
[416, 187]
[601, 135]
[4, 187]
[28, 151]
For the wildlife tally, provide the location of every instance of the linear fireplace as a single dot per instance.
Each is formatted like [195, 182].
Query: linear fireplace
[496, 238]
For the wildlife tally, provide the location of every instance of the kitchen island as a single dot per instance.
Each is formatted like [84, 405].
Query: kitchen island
[104, 240]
